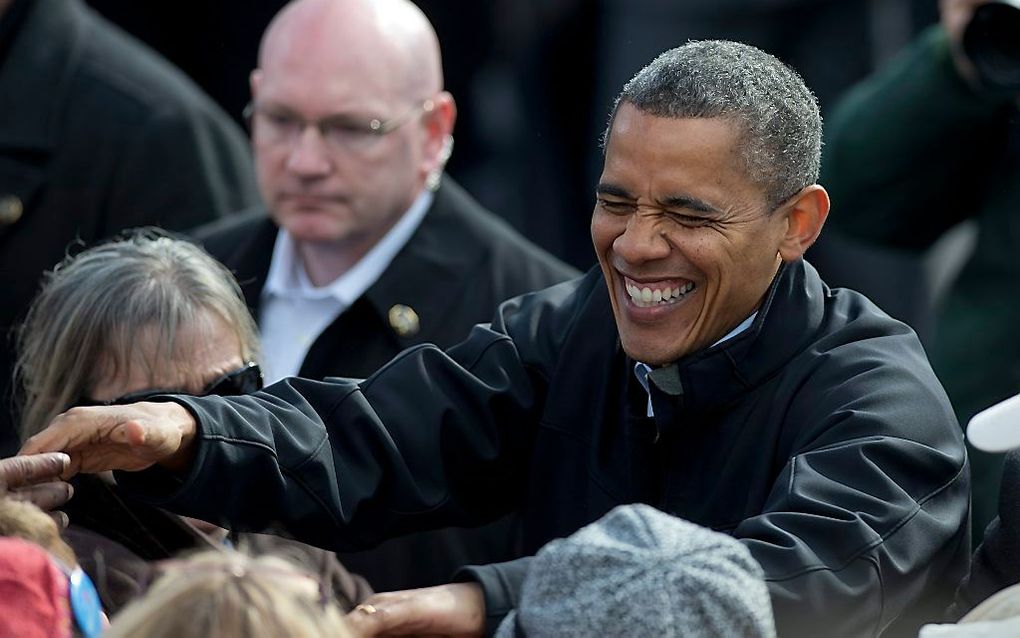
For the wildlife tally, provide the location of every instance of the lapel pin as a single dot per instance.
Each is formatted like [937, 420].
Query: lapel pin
[404, 320]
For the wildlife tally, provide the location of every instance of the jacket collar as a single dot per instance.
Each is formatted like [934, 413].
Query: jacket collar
[426, 273]
[35, 73]
[711, 379]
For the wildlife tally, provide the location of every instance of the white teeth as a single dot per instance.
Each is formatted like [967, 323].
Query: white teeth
[646, 297]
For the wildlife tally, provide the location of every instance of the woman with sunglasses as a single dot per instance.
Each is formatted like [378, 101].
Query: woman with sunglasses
[122, 322]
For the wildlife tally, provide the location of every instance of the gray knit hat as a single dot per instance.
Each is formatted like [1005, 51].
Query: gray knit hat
[639, 572]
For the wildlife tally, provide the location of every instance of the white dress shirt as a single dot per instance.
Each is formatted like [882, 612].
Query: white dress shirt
[293, 312]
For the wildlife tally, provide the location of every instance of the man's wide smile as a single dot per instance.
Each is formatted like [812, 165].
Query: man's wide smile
[659, 293]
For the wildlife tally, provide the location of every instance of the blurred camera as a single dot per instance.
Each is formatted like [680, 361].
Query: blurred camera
[992, 43]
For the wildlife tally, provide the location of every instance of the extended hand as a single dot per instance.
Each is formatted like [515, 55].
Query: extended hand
[36, 479]
[129, 437]
[446, 610]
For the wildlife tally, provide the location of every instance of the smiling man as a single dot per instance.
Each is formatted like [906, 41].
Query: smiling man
[719, 380]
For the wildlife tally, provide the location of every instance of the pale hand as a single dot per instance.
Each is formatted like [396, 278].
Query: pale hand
[446, 610]
[128, 437]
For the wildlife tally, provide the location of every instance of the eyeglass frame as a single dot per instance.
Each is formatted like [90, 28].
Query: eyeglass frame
[374, 129]
[249, 373]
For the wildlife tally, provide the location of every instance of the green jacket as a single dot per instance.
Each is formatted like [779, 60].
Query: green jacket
[911, 152]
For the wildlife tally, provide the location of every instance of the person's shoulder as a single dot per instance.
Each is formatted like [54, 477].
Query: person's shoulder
[222, 236]
[860, 361]
[546, 318]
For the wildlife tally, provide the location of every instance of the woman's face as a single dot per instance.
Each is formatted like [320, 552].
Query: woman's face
[204, 349]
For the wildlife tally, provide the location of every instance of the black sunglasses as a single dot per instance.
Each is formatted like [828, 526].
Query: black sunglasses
[244, 380]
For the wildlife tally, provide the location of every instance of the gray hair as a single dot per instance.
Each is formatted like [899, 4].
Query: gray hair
[94, 306]
[781, 125]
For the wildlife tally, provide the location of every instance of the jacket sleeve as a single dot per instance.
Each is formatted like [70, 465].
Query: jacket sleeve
[871, 508]
[431, 440]
[905, 147]
[501, 584]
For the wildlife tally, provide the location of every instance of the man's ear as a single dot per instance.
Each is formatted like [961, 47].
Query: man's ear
[805, 215]
[438, 137]
[439, 123]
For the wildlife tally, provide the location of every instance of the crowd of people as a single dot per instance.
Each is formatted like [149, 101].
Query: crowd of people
[332, 395]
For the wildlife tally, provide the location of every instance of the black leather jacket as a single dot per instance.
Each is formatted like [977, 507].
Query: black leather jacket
[819, 436]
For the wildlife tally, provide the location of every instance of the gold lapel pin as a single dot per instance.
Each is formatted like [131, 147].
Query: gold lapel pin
[404, 320]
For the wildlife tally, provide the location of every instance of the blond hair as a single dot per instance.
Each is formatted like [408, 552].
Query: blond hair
[20, 519]
[94, 306]
[229, 594]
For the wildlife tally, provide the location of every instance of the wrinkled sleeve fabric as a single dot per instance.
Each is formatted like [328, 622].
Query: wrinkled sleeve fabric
[871, 509]
[904, 149]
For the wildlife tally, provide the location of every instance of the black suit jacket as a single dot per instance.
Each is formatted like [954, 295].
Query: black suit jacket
[456, 268]
[97, 134]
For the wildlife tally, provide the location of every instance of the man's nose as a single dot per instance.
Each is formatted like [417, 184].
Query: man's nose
[643, 239]
[308, 155]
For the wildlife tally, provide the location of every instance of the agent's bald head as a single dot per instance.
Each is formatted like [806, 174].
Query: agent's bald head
[390, 38]
[345, 64]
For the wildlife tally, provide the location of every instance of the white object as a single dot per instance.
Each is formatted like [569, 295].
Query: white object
[996, 429]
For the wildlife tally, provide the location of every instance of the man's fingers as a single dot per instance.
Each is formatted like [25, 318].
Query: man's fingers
[60, 518]
[378, 618]
[22, 471]
[46, 496]
[446, 610]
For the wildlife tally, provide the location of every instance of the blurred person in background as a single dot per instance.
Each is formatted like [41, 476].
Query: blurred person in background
[930, 141]
[142, 315]
[364, 247]
[97, 134]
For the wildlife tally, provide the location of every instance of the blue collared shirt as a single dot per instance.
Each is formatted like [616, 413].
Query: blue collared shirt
[641, 370]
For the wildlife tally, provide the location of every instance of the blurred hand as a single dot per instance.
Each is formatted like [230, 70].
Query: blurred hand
[446, 610]
[128, 437]
[36, 479]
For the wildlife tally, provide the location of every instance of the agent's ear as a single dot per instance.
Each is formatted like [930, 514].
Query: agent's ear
[805, 215]
[439, 121]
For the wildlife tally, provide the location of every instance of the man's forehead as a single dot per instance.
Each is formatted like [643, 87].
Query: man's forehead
[375, 43]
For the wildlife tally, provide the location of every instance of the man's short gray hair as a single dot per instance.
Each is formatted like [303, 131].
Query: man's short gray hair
[94, 307]
[778, 114]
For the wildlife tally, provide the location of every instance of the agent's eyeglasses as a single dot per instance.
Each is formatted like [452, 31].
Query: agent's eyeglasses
[341, 133]
[244, 380]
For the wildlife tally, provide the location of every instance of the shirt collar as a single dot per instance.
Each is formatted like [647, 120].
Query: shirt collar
[287, 276]
[641, 370]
